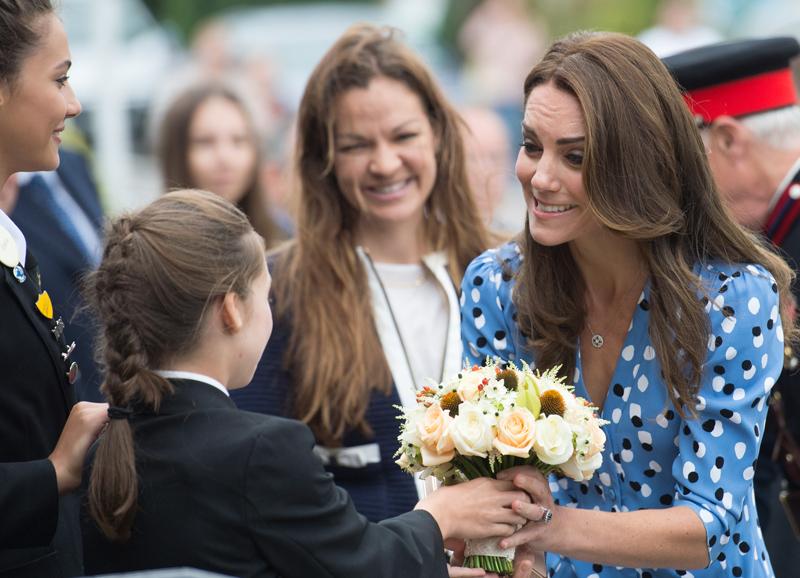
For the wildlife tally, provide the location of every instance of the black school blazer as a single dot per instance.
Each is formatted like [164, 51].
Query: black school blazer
[35, 400]
[242, 494]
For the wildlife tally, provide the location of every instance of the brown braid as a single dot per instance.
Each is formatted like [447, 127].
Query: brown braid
[161, 269]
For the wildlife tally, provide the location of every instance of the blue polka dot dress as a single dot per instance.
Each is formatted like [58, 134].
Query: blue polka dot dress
[654, 458]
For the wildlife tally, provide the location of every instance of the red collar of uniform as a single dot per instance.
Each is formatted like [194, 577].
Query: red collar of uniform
[786, 209]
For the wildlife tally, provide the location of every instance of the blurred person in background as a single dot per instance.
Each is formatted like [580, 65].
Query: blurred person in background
[488, 149]
[677, 28]
[499, 40]
[744, 97]
[279, 178]
[62, 219]
[208, 60]
[210, 50]
[365, 296]
[43, 435]
[208, 140]
[211, 59]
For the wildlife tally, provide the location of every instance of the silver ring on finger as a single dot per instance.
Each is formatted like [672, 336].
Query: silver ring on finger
[547, 515]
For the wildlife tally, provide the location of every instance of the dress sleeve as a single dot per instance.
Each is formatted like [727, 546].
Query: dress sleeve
[488, 318]
[307, 526]
[717, 450]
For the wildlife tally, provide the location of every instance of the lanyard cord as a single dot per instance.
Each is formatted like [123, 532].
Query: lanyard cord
[397, 327]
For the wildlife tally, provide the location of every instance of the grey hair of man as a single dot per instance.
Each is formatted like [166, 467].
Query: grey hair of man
[779, 129]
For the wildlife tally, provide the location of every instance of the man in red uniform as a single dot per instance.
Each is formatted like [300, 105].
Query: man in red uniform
[744, 97]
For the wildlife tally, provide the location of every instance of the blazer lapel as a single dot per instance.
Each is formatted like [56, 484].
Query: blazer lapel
[26, 293]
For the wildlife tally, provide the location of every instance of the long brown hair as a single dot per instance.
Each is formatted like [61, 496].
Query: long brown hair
[172, 150]
[334, 353]
[162, 268]
[646, 178]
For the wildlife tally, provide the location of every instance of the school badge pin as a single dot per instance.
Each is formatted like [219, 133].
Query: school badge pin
[58, 329]
[44, 305]
[72, 374]
[19, 274]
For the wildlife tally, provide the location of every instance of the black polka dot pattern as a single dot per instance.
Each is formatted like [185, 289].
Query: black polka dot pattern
[655, 458]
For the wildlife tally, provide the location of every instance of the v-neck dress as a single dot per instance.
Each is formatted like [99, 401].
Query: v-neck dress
[653, 457]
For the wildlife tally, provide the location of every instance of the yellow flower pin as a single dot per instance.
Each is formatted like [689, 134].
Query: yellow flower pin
[44, 305]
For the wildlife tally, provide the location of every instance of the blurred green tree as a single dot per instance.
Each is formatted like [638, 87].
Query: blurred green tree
[628, 16]
[185, 15]
[562, 16]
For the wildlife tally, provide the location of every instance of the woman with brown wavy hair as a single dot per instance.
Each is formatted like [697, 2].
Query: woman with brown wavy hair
[661, 309]
[365, 296]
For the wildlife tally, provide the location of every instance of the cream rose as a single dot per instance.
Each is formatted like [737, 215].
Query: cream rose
[437, 446]
[581, 467]
[553, 440]
[590, 439]
[515, 433]
[468, 388]
[471, 432]
[596, 441]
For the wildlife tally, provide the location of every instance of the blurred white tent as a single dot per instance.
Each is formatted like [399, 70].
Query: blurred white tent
[119, 54]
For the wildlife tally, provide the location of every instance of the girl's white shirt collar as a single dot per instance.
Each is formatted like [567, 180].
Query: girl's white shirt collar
[16, 234]
[168, 374]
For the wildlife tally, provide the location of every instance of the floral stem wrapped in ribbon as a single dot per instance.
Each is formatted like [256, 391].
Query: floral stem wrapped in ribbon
[491, 418]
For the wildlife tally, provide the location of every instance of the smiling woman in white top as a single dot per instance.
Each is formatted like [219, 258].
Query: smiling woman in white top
[366, 300]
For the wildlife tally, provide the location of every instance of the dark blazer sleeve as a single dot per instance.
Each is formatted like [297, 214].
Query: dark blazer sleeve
[29, 503]
[307, 526]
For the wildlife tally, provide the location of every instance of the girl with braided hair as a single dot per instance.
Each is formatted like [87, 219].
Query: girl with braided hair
[183, 478]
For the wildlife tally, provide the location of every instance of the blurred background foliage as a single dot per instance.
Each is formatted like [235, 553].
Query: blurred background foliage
[185, 15]
[628, 16]
[561, 16]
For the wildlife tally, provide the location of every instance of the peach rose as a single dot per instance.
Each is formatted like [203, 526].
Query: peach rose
[515, 433]
[437, 446]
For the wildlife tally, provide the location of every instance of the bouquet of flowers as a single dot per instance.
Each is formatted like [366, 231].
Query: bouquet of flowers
[487, 419]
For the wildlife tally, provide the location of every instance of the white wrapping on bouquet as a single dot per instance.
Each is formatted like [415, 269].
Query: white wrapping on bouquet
[488, 547]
